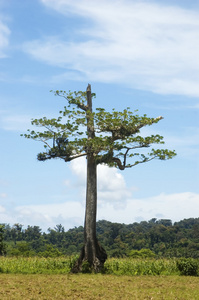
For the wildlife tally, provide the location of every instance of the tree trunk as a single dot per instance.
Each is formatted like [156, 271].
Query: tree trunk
[92, 253]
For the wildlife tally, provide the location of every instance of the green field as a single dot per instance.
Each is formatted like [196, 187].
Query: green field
[113, 266]
[50, 278]
[91, 286]
[62, 265]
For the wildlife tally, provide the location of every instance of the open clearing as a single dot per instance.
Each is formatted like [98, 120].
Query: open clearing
[91, 286]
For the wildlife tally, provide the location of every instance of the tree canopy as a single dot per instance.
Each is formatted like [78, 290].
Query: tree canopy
[116, 139]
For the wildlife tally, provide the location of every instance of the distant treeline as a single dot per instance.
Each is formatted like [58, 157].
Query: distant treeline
[161, 237]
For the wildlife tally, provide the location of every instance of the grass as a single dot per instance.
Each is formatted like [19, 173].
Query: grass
[129, 266]
[39, 278]
[36, 265]
[91, 286]
[62, 265]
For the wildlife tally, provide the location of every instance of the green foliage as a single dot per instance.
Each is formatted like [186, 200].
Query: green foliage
[37, 265]
[143, 253]
[21, 249]
[63, 265]
[140, 266]
[50, 251]
[188, 266]
[116, 136]
[161, 237]
[85, 268]
[2, 244]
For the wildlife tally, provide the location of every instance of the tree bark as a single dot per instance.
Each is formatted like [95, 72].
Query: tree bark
[92, 253]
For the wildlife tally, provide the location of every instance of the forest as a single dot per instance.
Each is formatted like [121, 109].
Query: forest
[153, 238]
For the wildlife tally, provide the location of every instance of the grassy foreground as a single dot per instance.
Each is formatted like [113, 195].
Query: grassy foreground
[62, 265]
[91, 286]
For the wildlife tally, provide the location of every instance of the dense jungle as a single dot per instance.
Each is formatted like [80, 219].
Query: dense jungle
[153, 238]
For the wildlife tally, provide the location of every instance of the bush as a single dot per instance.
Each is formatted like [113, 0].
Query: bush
[50, 251]
[21, 249]
[86, 267]
[143, 253]
[188, 266]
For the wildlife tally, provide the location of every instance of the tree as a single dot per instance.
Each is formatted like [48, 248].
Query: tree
[103, 137]
[16, 232]
[2, 244]
[32, 233]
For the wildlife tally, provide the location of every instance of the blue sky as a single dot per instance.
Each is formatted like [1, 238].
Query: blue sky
[138, 54]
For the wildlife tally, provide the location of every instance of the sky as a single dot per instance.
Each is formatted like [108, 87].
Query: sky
[138, 54]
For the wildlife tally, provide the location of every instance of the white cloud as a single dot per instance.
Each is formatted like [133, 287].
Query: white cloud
[111, 184]
[78, 167]
[144, 45]
[174, 206]
[164, 206]
[69, 214]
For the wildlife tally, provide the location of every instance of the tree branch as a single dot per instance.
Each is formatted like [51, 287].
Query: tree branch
[75, 156]
[125, 155]
[122, 132]
[79, 105]
[43, 141]
[119, 163]
[124, 166]
[140, 162]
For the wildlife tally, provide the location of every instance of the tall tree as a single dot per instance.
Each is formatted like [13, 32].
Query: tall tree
[2, 244]
[103, 137]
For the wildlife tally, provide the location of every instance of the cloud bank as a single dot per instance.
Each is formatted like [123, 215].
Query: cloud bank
[143, 45]
[164, 206]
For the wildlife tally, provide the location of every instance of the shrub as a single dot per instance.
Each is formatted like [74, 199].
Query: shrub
[86, 267]
[188, 266]
[143, 253]
[50, 251]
